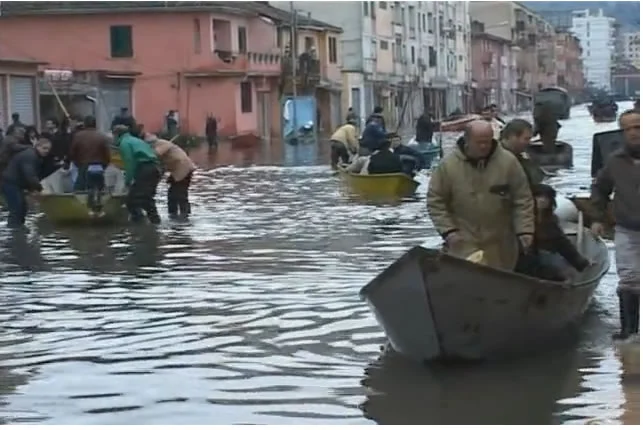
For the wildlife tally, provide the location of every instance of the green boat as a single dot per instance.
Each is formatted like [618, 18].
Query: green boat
[61, 205]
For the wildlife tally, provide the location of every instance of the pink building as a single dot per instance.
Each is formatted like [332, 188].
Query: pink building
[197, 58]
[493, 70]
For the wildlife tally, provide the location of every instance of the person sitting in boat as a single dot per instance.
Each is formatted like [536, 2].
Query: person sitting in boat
[550, 243]
[621, 176]
[344, 143]
[142, 174]
[479, 200]
[20, 176]
[516, 137]
[91, 153]
[412, 159]
[384, 159]
[180, 168]
[488, 114]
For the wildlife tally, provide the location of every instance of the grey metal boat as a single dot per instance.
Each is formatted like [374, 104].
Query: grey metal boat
[435, 306]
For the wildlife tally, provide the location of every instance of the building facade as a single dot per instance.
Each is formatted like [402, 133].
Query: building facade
[632, 48]
[569, 63]
[18, 87]
[494, 69]
[402, 56]
[596, 34]
[534, 41]
[219, 58]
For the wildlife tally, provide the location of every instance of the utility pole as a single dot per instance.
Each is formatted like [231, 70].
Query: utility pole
[293, 59]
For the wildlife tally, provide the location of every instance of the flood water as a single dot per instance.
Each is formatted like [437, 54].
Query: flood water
[249, 314]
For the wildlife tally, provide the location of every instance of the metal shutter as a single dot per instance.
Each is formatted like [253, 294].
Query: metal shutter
[22, 93]
[115, 96]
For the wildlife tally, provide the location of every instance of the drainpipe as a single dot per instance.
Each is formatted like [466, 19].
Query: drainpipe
[293, 58]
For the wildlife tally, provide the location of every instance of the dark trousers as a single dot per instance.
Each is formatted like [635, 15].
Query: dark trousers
[338, 151]
[177, 196]
[212, 141]
[16, 202]
[142, 192]
[94, 183]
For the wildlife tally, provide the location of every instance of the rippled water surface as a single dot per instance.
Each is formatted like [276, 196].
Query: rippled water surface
[249, 313]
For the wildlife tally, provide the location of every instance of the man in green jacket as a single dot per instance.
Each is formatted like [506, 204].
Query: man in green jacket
[142, 174]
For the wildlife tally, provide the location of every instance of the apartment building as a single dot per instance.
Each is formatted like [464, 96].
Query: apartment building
[569, 63]
[632, 48]
[596, 33]
[528, 31]
[402, 56]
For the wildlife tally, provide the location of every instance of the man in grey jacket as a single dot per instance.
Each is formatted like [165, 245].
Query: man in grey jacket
[621, 176]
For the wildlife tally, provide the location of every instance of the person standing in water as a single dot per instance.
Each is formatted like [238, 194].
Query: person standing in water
[142, 174]
[621, 176]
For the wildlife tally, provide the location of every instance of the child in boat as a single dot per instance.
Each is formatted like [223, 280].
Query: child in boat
[550, 241]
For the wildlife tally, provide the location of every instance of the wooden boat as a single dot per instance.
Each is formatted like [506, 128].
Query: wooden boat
[562, 158]
[61, 205]
[434, 306]
[389, 187]
[603, 111]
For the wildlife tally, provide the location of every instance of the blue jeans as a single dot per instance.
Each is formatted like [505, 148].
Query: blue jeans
[91, 178]
[16, 202]
[411, 152]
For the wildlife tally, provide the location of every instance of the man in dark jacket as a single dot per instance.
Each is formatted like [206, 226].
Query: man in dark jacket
[211, 130]
[424, 129]
[372, 137]
[15, 123]
[515, 137]
[126, 119]
[378, 117]
[11, 145]
[91, 153]
[621, 176]
[384, 161]
[20, 176]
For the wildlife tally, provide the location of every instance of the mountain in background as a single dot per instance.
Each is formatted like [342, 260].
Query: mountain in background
[627, 13]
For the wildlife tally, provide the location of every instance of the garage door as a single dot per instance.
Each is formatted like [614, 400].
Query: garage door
[114, 96]
[22, 98]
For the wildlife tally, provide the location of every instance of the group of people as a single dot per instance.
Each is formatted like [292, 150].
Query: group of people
[373, 153]
[487, 196]
[27, 157]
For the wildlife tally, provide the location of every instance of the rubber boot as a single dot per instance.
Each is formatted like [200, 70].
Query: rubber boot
[633, 312]
[624, 310]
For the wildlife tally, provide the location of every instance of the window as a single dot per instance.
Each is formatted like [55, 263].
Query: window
[372, 10]
[412, 54]
[246, 97]
[383, 45]
[243, 41]
[120, 37]
[280, 37]
[460, 58]
[197, 36]
[433, 58]
[309, 43]
[366, 8]
[431, 23]
[332, 50]
[424, 23]
[382, 5]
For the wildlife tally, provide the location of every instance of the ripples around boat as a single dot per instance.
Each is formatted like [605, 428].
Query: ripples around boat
[249, 314]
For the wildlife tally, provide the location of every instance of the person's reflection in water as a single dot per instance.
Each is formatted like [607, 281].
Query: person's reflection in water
[144, 247]
[23, 252]
[522, 392]
[92, 247]
[630, 356]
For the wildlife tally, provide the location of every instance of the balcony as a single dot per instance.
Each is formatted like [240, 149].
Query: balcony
[308, 72]
[487, 57]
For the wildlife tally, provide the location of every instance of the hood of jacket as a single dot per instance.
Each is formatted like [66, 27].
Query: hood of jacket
[475, 162]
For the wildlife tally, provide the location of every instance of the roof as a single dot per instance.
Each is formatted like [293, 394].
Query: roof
[488, 36]
[9, 55]
[257, 8]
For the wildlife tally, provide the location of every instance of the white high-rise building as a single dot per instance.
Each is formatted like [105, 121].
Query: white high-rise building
[596, 34]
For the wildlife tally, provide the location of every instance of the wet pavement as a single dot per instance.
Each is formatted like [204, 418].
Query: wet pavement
[249, 314]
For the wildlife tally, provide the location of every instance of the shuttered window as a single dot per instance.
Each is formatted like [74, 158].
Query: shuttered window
[246, 97]
[22, 98]
[120, 37]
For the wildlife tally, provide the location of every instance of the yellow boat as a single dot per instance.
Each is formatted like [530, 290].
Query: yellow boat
[393, 186]
[61, 205]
